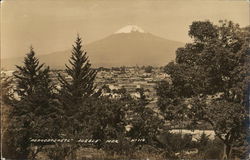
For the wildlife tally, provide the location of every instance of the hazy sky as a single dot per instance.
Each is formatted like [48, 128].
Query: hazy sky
[52, 25]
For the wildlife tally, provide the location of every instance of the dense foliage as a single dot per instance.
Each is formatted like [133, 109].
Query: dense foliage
[32, 109]
[208, 80]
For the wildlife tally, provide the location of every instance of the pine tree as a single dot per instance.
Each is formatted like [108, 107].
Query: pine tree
[75, 95]
[31, 78]
[33, 112]
[33, 82]
[81, 83]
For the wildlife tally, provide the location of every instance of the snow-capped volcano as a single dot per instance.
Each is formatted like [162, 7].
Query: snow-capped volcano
[130, 29]
[130, 46]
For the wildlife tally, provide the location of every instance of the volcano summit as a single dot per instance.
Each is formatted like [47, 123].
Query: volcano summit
[129, 46]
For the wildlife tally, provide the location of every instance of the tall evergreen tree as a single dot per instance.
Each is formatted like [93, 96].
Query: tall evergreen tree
[33, 83]
[74, 95]
[33, 111]
[29, 75]
[81, 83]
[77, 89]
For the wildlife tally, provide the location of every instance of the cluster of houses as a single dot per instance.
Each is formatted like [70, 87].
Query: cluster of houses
[113, 80]
[130, 79]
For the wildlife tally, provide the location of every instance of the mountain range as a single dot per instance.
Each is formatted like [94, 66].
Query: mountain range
[128, 46]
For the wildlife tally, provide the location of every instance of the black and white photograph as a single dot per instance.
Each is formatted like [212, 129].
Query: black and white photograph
[125, 79]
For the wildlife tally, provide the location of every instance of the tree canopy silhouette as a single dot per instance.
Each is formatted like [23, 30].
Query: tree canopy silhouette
[208, 81]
